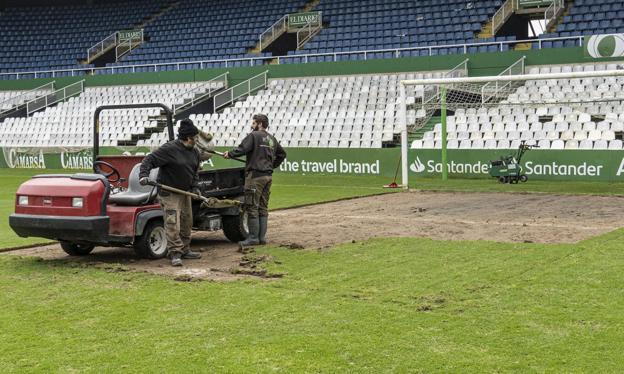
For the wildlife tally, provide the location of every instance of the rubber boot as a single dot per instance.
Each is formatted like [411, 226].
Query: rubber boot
[263, 221]
[252, 239]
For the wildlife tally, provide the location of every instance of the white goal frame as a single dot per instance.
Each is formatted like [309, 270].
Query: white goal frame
[444, 82]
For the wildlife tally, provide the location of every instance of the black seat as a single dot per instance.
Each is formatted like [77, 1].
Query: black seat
[136, 194]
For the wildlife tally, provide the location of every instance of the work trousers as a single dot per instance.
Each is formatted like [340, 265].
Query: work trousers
[178, 216]
[262, 187]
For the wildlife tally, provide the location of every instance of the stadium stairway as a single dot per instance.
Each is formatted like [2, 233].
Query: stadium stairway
[307, 7]
[164, 9]
[553, 26]
[428, 126]
[193, 101]
[104, 57]
[486, 30]
[160, 121]
[14, 103]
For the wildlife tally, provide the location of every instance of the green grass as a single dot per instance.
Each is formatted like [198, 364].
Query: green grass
[387, 305]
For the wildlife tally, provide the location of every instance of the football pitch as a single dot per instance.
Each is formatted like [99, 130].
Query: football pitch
[387, 304]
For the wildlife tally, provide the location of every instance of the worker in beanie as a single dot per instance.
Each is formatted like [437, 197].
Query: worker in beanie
[179, 162]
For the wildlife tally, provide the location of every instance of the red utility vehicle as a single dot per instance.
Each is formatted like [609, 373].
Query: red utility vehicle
[110, 208]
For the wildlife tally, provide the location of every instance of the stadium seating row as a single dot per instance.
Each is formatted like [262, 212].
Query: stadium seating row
[70, 123]
[585, 113]
[56, 37]
[585, 144]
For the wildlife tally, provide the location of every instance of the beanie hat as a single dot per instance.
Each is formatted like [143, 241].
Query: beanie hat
[187, 129]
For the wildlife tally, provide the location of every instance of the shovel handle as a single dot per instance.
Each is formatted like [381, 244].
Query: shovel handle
[174, 190]
[209, 202]
[223, 155]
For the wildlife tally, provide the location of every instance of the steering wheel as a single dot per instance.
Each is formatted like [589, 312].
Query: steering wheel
[112, 173]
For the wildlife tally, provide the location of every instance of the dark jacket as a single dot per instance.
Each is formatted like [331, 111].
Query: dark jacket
[263, 151]
[178, 165]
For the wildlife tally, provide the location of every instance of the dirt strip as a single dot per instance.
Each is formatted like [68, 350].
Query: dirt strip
[500, 217]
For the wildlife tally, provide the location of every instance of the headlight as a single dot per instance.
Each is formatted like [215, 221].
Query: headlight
[22, 200]
[77, 202]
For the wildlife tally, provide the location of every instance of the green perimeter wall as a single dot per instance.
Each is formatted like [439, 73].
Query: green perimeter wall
[579, 165]
[480, 64]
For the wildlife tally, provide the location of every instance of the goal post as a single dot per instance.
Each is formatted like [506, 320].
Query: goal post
[589, 92]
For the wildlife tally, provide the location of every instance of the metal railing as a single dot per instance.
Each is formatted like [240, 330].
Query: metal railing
[55, 97]
[244, 88]
[200, 89]
[308, 31]
[502, 14]
[431, 93]
[24, 97]
[552, 12]
[273, 32]
[433, 50]
[126, 45]
[102, 46]
[491, 89]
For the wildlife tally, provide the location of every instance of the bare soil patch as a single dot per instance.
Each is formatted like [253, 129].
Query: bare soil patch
[500, 217]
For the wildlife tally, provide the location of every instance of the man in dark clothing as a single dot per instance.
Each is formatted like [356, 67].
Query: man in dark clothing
[264, 153]
[178, 161]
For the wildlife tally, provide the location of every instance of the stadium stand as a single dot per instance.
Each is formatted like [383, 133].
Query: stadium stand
[374, 24]
[70, 124]
[52, 38]
[587, 17]
[343, 112]
[208, 30]
[56, 37]
[346, 112]
[550, 126]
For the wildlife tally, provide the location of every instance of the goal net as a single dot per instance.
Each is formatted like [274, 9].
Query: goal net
[538, 106]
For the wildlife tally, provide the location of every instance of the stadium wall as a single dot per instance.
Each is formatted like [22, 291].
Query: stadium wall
[578, 165]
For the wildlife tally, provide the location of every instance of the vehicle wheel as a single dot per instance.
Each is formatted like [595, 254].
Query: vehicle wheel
[523, 178]
[75, 249]
[153, 243]
[235, 227]
[502, 179]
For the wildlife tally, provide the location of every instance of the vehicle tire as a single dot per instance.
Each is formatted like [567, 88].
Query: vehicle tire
[235, 227]
[523, 178]
[152, 243]
[75, 249]
[502, 179]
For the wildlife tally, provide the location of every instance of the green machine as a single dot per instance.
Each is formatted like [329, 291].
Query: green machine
[508, 169]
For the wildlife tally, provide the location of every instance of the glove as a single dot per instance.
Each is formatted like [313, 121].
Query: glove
[144, 181]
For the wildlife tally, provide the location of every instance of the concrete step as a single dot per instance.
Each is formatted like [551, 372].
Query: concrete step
[486, 31]
[522, 47]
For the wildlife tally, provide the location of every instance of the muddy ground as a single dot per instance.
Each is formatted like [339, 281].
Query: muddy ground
[538, 218]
